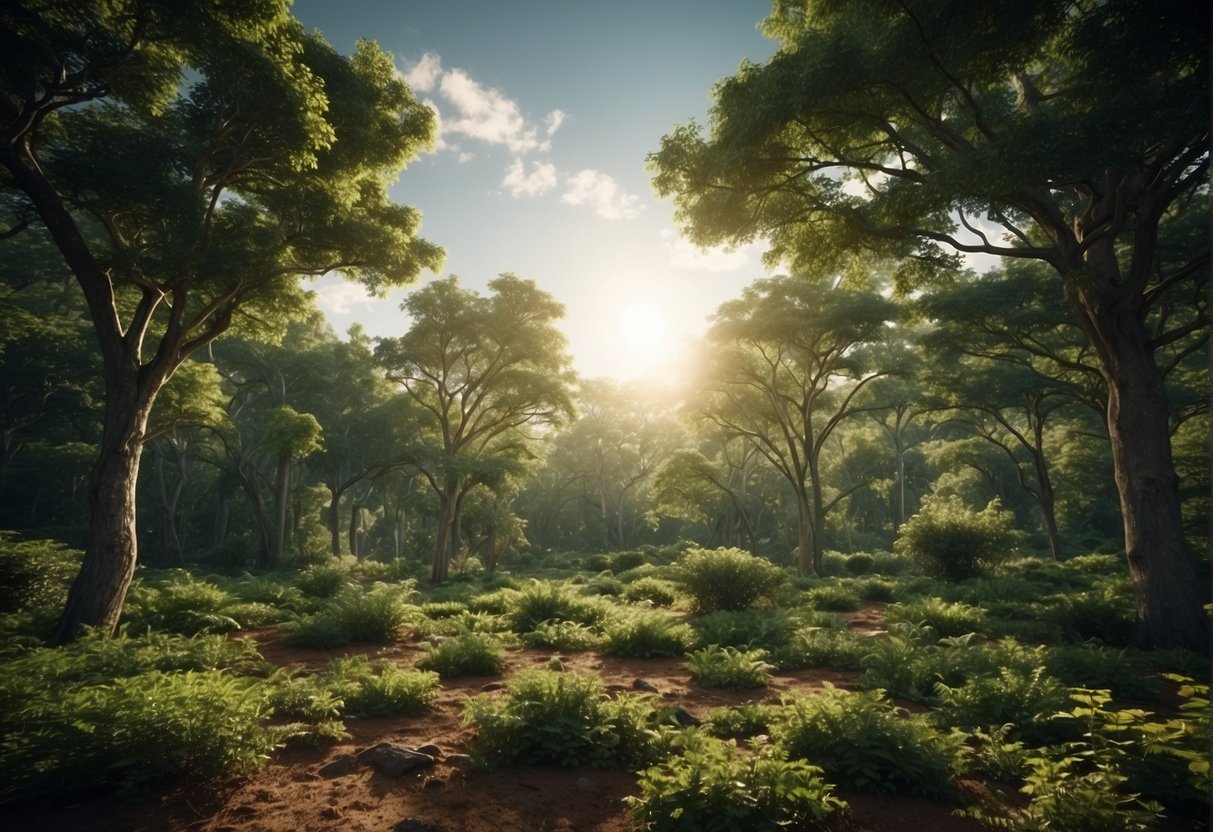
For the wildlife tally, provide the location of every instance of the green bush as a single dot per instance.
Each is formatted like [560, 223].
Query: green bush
[834, 598]
[562, 719]
[562, 635]
[945, 618]
[623, 561]
[644, 634]
[135, 730]
[323, 580]
[742, 721]
[768, 630]
[834, 647]
[876, 589]
[656, 591]
[949, 540]
[1025, 700]
[1103, 613]
[274, 593]
[316, 632]
[862, 741]
[467, 654]
[551, 601]
[376, 616]
[35, 573]
[728, 667]
[380, 688]
[603, 585]
[598, 563]
[890, 565]
[180, 603]
[712, 787]
[1092, 666]
[860, 563]
[443, 609]
[726, 579]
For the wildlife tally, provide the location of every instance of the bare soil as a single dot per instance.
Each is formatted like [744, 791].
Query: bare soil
[290, 795]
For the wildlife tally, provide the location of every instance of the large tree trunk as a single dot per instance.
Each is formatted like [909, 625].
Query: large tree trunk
[1169, 597]
[805, 548]
[334, 520]
[99, 590]
[441, 568]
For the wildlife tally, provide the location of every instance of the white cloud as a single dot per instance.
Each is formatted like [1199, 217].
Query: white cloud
[541, 179]
[600, 192]
[684, 254]
[423, 75]
[553, 122]
[341, 298]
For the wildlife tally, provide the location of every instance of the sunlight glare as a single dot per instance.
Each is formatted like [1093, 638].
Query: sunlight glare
[643, 330]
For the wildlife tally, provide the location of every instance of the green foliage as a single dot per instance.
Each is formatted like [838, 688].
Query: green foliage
[316, 632]
[180, 603]
[135, 730]
[860, 563]
[467, 654]
[949, 540]
[946, 619]
[656, 591]
[646, 634]
[623, 561]
[864, 742]
[443, 609]
[834, 647]
[562, 635]
[563, 719]
[323, 580]
[726, 579]
[911, 665]
[1093, 666]
[713, 787]
[380, 688]
[35, 573]
[604, 585]
[997, 757]
[876, 589]
[728, 667]
[375, 616]
[768, 630]
[1104, 613]
[748, 719]
[542, 601]
[1026, 700]
[833, 597]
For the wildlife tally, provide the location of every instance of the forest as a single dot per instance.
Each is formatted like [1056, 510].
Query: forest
[896, 528]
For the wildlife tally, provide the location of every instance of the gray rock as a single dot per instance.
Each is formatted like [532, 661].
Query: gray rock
[343, 765]
[685, 718]
[491, 686]
[429, 748]
[645, 684]
[393, 760]
[461, 761]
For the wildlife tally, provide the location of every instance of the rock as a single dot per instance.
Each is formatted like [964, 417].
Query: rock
[461, 761]
[491, 686]
[429, 748]
[414, 825]
[645, 684]
[393, 760]
[343, 765]
[685, 718]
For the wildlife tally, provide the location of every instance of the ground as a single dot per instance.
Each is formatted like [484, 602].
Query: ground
[290, 795]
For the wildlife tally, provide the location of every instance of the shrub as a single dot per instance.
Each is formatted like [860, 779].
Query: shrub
[728, 667]
[1025, 700]
[833, 597]
[316, 632]
[1104, 613]
[951, 541]
[741, 721]
[603, 585]
[380, 688]
[181, 604]
[376, 616]
[864, 742]
[269, 591]
[623, 561]
[35, 573]
[467, 654]
[645, 634]
[562, 635]
[598, 563]
[945, 618]
[860, 563]
[875, 589]
[323, 580]
[834, 647]
[564, 719]
[890, 565]
[1092, 666]
[768, 630]
[135, 730]
[551, 601]
[726, 579]
[443, 609]
[712, 786]
[658, 592]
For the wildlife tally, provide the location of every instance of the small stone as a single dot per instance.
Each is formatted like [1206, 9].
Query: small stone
[343, 765]
[393, 760]
[491, 686]
[430, 749]
[645, 684]
[461, 761]
[685, 718]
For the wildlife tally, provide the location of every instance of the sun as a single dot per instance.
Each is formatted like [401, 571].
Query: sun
[643, 330]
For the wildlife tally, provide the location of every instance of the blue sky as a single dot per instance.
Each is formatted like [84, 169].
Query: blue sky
[547, 112]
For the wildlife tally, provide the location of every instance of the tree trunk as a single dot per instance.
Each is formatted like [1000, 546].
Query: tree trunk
[441, 568]
[334, 518]
[805, 558]
[1168, 595]
[97, 595]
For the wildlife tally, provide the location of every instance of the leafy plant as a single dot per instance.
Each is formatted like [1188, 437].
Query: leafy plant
[180, 603]
[768, 630]
[316, 632]
[713, 787]
[323, 580]
[645, 634]
[833, 597]
[380, 688]
[35, 573]
[945, 618]
[728, 667]
[823, 647]
[1026, 700]
[864, 742]
[1094, 666]
[741, 721]
[564, 719]
[1103, 613]
[376, 616]
[726, 579]
[467, 654]
[562, 635]
[542, 601]
[952, 541]
[656, 591]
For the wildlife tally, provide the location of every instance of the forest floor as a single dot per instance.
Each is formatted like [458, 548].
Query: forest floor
[291, 795]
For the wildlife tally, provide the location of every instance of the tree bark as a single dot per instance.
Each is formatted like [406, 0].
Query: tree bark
[805, 561]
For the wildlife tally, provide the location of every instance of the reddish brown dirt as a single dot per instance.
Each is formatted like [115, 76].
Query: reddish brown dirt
[289, 795]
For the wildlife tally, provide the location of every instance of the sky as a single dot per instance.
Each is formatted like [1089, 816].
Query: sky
[547, 111]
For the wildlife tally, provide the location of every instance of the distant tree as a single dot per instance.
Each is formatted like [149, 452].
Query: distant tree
[1072, 134]
[190, 161]
[787, 365]
[481, 373]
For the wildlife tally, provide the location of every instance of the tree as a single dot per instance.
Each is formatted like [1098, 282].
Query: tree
[480, 371]
[1072, 134]
[190, 161]
[786, 371]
